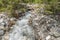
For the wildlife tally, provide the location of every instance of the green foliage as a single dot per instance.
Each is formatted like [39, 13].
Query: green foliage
[37, 1]
[51, 6]
[14, 4]
[7, 4]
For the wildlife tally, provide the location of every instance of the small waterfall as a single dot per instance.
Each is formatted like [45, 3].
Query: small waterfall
[21, 30]
[34, 26]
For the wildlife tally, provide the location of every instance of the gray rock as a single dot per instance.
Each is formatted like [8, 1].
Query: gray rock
[1, 32]
[46, 26]
[35, 27]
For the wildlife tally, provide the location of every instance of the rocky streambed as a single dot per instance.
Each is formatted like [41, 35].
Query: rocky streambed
[31, 26]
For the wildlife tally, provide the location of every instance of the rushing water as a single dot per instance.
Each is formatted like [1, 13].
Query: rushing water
[34, 27]
[21, 30]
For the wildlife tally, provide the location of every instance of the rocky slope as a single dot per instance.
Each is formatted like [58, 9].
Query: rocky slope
[34, 27]
[31, 26]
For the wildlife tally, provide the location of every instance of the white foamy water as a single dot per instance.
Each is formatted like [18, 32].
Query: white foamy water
[21, 30]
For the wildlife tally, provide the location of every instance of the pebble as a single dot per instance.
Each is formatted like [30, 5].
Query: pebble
[1, 32]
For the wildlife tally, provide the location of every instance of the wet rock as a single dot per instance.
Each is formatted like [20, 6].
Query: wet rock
[11, 22]
[17, 14]
[46, 26]
[1, 32]
[5, 24]
[34, 27]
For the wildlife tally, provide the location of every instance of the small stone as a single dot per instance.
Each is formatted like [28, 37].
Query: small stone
[2, 27]
[48, 37]
[1, 32]
[6, 37]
